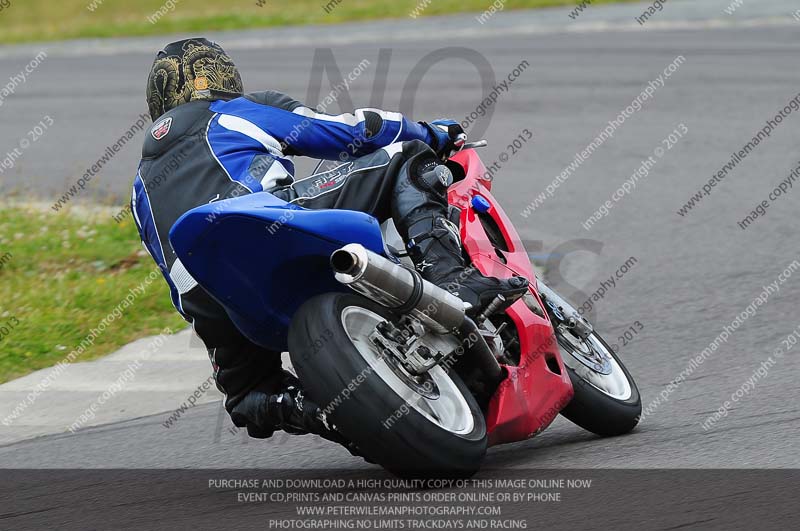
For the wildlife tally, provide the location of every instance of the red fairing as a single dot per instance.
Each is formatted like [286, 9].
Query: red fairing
[533, 393]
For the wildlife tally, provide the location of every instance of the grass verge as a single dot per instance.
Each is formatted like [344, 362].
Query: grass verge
[61, 275]
[37, 20]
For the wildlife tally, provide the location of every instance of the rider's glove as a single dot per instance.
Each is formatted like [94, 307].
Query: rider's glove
[448, 135]
[251, 412]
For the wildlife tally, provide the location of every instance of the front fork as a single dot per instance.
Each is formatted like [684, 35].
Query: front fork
[572, 330]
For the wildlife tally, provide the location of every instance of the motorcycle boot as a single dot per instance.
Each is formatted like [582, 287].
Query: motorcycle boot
[434, 243]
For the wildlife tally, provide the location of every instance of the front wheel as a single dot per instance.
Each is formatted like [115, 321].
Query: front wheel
[414, 426]
[606, 401]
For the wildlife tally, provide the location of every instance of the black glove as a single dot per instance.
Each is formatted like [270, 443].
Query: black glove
[253, 410]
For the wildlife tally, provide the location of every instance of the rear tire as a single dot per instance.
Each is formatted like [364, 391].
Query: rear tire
[328, 362]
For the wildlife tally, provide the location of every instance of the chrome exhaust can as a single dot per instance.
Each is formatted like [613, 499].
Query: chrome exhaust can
[397, 288]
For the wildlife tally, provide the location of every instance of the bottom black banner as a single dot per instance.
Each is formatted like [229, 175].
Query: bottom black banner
[355, 499]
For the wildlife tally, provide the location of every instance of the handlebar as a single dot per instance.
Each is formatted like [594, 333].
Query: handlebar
[476, 144]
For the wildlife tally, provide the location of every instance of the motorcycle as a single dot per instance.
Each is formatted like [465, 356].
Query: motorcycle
[395, 363]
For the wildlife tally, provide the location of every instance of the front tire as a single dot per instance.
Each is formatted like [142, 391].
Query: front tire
[411, 435]
[608, 410]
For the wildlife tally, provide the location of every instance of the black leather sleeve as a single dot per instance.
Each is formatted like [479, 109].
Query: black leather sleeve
[273, 98]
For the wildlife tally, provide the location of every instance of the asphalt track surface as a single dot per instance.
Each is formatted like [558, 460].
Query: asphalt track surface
[694, 274]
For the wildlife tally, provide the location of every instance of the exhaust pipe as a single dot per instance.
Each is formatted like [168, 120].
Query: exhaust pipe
[398, 288]
[405, 291]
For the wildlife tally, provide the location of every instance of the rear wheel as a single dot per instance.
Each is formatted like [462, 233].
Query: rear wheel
[414, 426]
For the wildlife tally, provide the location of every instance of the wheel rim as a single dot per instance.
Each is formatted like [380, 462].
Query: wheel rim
[614, 384]
[443, 404]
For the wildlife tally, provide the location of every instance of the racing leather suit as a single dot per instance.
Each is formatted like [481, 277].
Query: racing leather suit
[204, 151]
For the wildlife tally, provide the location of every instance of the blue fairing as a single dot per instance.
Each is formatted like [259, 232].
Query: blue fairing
[262, 258]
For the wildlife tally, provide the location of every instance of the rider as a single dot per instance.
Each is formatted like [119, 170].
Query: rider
[210, 141]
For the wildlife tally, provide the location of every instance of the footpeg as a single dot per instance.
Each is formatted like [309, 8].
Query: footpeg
[492, 308]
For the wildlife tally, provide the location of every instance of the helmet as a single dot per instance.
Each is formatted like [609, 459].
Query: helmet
[189, 70]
